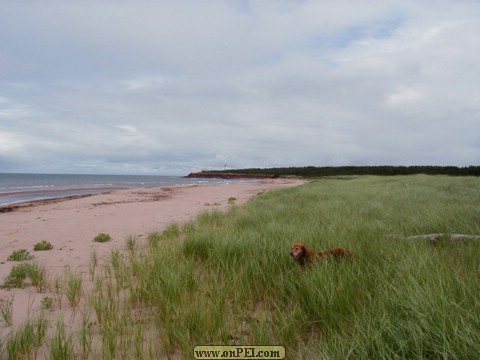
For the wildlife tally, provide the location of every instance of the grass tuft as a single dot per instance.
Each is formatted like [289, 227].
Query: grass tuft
[19, 274]
[6, 311]
[61, 346]
[102, 237]
[42, 246]
[20, 255]
[25, 341]
[73, 288]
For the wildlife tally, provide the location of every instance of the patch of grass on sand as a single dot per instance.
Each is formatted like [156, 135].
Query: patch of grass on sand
[26, 340]
[43, 246]
[20, 255]
[227, 277]
[21, 273]
[73, 288]
[101, 238]
[6, 311]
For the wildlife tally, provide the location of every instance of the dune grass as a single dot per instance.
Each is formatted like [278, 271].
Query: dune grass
[43, 246]
[20, 255]
[226, 278]
[21, 273]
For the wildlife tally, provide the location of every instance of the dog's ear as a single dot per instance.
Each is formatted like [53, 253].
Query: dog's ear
[306, 255]
[308, 252]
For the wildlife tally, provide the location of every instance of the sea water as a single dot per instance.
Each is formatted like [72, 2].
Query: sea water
[16, 188]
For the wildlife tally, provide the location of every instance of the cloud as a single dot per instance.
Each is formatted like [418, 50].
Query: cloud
[404, 96]
[171, 87]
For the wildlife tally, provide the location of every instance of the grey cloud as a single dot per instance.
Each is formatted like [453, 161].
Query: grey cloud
[175, 86]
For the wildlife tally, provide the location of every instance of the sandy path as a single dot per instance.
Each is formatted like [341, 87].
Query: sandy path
[71, 226]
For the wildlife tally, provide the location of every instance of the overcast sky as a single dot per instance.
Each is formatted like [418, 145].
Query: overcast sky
[170, 87]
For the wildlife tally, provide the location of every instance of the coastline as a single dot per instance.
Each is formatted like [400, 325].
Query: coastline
[16, 206]
[71, 224]
[23, 188]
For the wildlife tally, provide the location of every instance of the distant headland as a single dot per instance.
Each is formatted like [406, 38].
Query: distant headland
[228, 175]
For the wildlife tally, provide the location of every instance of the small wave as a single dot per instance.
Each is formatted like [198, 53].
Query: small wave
[28, 187]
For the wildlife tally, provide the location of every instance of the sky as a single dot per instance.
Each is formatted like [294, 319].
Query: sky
[170, 87]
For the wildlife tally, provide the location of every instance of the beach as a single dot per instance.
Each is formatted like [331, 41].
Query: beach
[70, 225]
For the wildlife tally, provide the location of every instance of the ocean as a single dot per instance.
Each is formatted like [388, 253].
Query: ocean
[17, 188]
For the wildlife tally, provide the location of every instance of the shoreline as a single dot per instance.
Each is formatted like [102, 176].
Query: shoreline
[24, 204]
[70, 225]
[38, 196]
[35, 187]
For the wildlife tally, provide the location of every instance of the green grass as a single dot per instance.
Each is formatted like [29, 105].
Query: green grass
[61, 346]
[227, 278]
[25, 341]
[48, 303]
[42, 246]
[25, 274]
[6, 311]
[20, 255]
[102, 237]
[73, 288]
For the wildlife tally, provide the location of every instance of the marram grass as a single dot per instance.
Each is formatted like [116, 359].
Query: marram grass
[226, 278]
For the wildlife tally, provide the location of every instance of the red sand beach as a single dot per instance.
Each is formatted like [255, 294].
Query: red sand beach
[71, 225]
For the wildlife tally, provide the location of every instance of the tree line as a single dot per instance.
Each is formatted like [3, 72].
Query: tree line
[313, 171]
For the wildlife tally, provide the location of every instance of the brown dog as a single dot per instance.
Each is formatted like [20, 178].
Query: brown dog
[304, 255]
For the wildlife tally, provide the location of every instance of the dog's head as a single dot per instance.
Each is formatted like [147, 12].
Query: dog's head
[298, 252]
